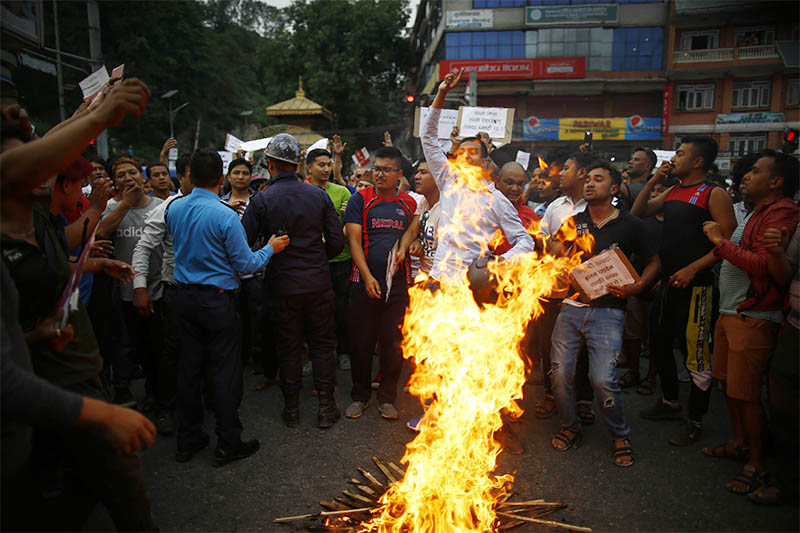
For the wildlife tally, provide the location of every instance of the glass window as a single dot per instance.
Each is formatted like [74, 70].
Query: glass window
[638, 48]
[793, 92]
[485, 45]
[700, 40]
[750, 94]
[755, 36]
[695, 97]
[746, 143]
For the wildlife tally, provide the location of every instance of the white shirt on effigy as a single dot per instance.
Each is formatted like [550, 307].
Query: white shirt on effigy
[558, 211]
[454, 253]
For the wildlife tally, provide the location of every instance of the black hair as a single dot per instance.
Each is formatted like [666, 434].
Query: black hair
[283, 166]
[743, 166]
[240, 161]
[705, 147]
[314, 154]
[155, 164]
[183, 162]
[206, 168]
[95, 158]
[616, 177]
[651, 155]
[786, 167]
[390, 152]
[583, 159]
[557, 156]
[484, 151]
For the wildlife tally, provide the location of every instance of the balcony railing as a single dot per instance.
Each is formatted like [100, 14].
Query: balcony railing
[766, 51]
[703, 56]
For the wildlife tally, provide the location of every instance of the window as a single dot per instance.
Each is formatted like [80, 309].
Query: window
[750, 94]
[695, 97]
[700, 40]
[484, 44]
[580, 2]
[746, 143]
[793, 92]
[481, 4]
[755, 36]
[595, 44]
[638, 48]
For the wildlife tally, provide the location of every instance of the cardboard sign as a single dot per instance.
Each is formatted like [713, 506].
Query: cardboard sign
[92, 84]
[227, 157]
[254, 146]
[361, 157]
[663, 155]
[496, 121]
[523, 158]
[601, 271]
[232, 143]
[447, 119]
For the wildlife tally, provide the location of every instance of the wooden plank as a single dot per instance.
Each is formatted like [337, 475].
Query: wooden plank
[385, 470]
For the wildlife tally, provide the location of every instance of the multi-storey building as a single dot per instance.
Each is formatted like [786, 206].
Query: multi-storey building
[732, 71]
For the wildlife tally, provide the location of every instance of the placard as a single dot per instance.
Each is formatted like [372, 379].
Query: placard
[254, 146]
[663, 155]
[496, 121]
[227, 157]
[524, 159]
[91, 84]
[232, 143]
[361, 157]
[321, 144]
[447, 119]
[602, 271]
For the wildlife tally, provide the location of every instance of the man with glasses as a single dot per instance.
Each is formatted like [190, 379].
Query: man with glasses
[376, 220]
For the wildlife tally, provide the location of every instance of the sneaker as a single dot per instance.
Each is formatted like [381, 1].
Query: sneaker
[376, 383]
[689, 433]
[243, 450]
[388, 411]
[661, 411]
[123, 397]
[413, 424]
[165, 423]
[344, 362]
[183, 456]
[356, 409]
[307, 369]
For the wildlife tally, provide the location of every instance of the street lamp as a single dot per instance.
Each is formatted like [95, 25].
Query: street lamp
[168, 95]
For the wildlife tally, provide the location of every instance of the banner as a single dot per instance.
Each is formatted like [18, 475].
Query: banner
[577, 14]
[634, 127]
[666, 109]
[518, 69]
[447, 119]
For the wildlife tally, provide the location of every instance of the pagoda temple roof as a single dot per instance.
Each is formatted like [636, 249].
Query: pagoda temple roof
[298, 106]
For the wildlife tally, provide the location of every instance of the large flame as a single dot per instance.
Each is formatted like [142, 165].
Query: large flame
[468, 363]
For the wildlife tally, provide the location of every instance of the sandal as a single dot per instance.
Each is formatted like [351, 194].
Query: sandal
[729, 450]
[767, 494]
[623, 452]
[585, 412]
[629, 379]
[566, 440]
[748, 481]
[646, 387]
[546, 407]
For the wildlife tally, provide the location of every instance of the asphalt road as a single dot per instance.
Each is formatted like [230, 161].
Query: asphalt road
[668, 489]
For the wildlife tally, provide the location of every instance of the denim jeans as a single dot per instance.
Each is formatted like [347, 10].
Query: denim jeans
[601, 329]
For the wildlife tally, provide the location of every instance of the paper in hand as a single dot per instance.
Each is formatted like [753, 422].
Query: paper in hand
[391, 269]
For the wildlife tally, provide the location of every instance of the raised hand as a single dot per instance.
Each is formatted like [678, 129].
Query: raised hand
[450, 81]
[128, 96]
[338, 145]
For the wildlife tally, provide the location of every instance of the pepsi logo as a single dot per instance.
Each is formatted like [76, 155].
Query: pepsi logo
[533, 122]
[635, 121]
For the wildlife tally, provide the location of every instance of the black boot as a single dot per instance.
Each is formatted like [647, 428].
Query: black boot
[328, 412]
[291, 410]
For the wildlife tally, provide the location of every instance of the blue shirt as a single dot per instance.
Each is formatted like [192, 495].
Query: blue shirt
[209, 242]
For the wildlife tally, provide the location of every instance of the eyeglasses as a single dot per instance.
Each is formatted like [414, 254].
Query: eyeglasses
[384, 170]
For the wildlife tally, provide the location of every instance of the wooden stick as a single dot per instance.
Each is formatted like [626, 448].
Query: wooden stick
[358, 497]
[367, 474]
[545, 522]
[323, 514]
[352, 504]
[397, 469]
[530, 502]
[368, 491]
[510, 525]
[385, 470]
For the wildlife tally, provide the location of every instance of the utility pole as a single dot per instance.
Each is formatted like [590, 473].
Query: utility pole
[93, 13]
[59, 73]
[197, 135]
[472, 90]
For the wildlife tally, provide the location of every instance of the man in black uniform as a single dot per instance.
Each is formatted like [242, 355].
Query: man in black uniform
[685, 305]
[299, 280]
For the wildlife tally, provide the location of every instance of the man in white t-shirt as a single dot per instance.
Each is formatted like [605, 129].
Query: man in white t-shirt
[421, 240]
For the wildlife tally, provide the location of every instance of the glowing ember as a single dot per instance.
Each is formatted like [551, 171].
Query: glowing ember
[467, 361]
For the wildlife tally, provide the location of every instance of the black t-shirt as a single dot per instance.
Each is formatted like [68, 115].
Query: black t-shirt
[625, 232]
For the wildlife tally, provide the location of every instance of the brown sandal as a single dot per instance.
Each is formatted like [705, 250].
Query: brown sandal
[646, 387]
[622, 452]
[546, 407]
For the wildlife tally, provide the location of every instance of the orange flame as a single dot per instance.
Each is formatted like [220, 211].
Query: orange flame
[542, 163]
[468, 362]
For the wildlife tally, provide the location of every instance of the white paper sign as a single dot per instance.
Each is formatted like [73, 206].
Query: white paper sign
[93, 83]
[492, 120]
[118, 72]
[254, 146]
[321, 144]
[232, 143]
[523, 158]
[172, 156]
[227, 157]
[446, 144]
[600, 272]
[447, 119]
[663, 155]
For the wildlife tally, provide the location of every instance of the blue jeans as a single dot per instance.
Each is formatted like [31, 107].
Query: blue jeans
[601, 329]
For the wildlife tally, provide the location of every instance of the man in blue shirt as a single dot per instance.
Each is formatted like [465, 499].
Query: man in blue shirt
[210, 248]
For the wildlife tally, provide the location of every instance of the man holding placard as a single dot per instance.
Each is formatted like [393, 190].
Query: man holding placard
[598, 322]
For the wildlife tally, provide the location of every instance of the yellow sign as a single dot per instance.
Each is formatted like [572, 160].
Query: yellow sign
[603, 129]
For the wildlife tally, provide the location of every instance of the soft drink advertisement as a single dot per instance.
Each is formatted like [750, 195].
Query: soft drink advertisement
[634, 127]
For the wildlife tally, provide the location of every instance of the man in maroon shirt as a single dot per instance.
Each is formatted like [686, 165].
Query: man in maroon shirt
[511, 183]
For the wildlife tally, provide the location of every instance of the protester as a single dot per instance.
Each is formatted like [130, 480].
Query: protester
[751, 310]
[299, 280]
[511, 183]
[640, 166]
[686, 302]
[158, 178]
[210, 248]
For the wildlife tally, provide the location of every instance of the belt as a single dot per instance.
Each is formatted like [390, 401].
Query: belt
[207, 288]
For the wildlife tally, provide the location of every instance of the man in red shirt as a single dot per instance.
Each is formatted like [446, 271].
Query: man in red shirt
[511, 183]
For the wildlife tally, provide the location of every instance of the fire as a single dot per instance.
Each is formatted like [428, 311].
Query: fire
[468, 363]
[542, 163]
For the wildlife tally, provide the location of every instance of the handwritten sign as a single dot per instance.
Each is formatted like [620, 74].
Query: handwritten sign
[447, 119]
[232, 143]
[496, 121]
[321, 144]
[523, 158]
[254, 146]
[227, 157]
[663, 155]
[602, 271]
[92, 84]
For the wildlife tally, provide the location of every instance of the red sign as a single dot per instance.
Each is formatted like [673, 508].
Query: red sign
[518, 69]
[666, 108]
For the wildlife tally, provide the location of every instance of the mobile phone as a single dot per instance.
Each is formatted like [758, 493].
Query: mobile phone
[587, 138]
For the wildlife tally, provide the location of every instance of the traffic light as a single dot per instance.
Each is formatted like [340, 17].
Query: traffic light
[410, 98]
[790, 139]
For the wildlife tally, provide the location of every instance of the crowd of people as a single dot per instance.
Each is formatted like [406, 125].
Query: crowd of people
[186, 281]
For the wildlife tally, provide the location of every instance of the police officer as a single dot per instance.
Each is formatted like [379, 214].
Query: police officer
[298, 281]
[210, 248]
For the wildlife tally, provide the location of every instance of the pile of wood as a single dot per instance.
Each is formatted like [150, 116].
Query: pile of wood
[359, 504]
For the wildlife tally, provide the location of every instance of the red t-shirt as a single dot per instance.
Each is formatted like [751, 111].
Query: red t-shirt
[526, 215]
